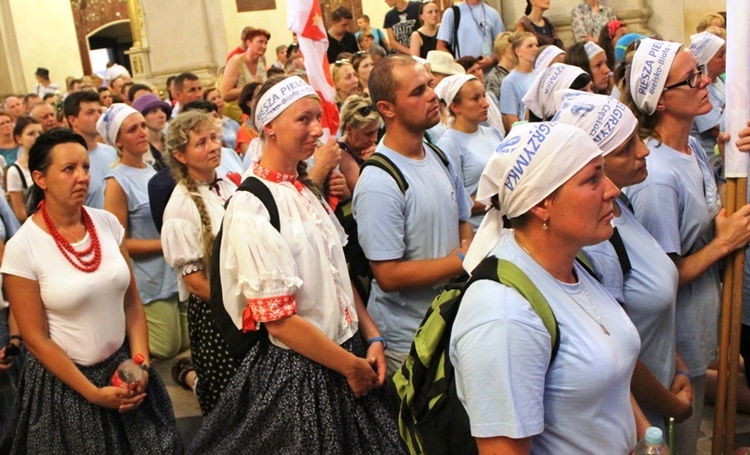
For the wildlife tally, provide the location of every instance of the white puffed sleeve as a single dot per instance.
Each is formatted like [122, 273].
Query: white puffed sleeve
[258, 263]
[181, 241]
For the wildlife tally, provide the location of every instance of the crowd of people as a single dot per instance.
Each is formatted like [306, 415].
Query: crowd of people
[297, 269]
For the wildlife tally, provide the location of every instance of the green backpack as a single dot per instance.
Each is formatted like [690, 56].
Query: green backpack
[431, 418]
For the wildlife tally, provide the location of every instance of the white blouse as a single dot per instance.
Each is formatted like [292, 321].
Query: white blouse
[182, 230]
[267, 275]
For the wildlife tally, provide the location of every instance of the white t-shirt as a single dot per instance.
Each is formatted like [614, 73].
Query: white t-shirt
[501, 350]
[182, 231]
[85, 311]
[14, 178]
[266, 271]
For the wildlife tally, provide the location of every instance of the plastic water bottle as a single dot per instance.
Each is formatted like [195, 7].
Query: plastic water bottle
[129, 373]
[652, 444]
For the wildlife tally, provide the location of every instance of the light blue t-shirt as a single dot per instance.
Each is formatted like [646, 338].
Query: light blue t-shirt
[717, 95]
[469, 154]
[436, 132]
[478, 27]
[101, 161]
[647, 293]
[674, 208]
[230, 162]
[615, 93]
[9, 223]
[421, 224]
[514, 87]
[580, 403]
[155, 278]
[229, 129]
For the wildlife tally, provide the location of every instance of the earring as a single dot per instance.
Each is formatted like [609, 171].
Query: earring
[272, 135]
[544, 225]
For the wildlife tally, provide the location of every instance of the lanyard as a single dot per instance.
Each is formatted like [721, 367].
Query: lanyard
[480, 24]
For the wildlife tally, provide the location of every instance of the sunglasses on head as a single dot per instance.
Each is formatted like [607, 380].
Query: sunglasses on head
[364, 111]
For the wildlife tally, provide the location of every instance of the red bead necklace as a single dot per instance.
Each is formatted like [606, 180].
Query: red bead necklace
[76, 258]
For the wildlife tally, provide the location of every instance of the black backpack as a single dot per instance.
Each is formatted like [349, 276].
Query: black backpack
[238, 341]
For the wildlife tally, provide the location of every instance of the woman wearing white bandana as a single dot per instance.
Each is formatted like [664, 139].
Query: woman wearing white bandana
[540, 99]
[711, 51]
[647, 288]
[590, 57]
[467, 143]
[548, 54]
[315, 385]
[678, 202]
[126, 196]
[548, 178]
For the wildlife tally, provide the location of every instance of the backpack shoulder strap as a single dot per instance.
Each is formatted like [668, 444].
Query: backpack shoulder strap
[512, 276]
[20, 174]
[626, 201]
[456, 22]
[622, 253]
[587, 265]
[440, 154]
[261, 191]
[389, 167]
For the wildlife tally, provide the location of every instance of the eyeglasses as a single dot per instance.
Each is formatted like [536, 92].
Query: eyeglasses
[342, 62]
[365, 110]
[692, 81]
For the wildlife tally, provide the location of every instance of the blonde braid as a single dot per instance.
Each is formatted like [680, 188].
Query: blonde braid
[306, 180]
[207, 236]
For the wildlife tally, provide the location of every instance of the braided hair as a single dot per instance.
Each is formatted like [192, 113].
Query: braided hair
[178, 137]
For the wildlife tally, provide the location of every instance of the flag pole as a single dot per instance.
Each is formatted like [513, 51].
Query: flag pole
[736, 168]
[720, 415]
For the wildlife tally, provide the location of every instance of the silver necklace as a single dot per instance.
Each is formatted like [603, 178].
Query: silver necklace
[596, 318]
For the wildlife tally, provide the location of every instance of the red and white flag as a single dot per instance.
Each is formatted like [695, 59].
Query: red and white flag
[306, 20]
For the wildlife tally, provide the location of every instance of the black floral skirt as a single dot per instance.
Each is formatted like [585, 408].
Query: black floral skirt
[280, 402]
[213, 363]
[49, 417]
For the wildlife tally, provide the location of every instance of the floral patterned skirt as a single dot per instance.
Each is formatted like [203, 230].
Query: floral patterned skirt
[213, 363]
[49, 417]
[280, 402]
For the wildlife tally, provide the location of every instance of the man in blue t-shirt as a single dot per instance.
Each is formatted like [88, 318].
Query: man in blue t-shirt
[415, 239]
[81, 109]
[478, 26]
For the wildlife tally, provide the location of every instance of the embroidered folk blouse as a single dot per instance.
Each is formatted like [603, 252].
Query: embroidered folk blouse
[181, 234]
[267, 275]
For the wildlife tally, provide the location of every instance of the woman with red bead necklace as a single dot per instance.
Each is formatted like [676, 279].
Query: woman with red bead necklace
[323, 360]
[69, 285]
